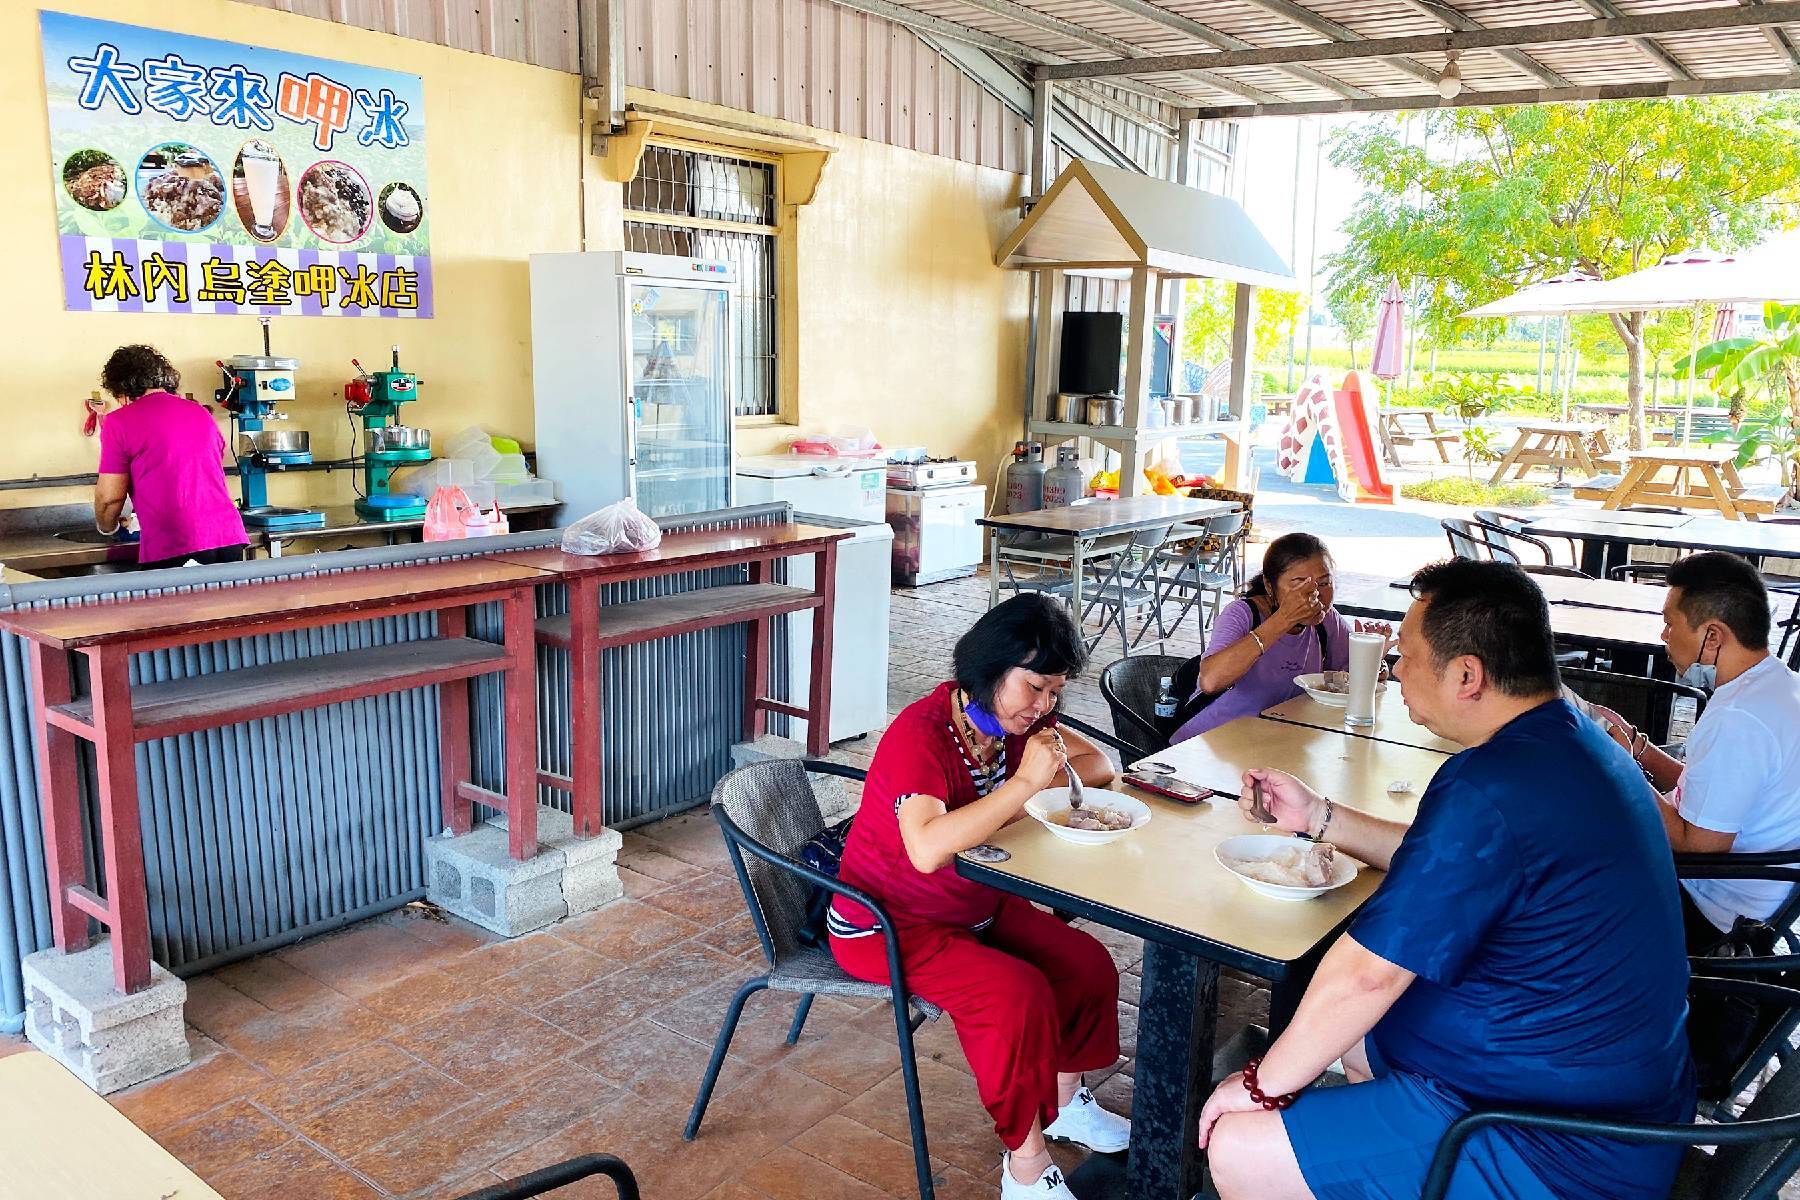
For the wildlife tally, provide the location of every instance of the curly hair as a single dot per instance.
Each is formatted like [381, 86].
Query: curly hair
[133, 370]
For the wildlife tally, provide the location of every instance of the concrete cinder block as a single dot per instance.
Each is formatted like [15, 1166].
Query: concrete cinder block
[836, 801]
[473, 876]
[75, 1014]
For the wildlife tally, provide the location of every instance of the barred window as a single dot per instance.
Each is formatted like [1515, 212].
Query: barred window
[686, 203]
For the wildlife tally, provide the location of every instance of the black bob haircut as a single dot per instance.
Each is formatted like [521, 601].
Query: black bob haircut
[133, 370]
[1030, 630]
[1716, 586]
[1494, 612]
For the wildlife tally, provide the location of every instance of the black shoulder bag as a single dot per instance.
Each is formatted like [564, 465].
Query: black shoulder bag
[1186, 683]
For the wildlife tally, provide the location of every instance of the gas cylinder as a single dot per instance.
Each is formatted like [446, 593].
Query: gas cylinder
[1025, 478]
[1063, 483]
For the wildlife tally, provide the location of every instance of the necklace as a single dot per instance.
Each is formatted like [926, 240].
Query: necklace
[971, 737]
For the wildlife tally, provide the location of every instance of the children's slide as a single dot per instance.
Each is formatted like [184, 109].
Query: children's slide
[1357, 409]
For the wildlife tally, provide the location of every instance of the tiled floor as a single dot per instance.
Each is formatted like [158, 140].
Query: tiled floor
[419, 1057]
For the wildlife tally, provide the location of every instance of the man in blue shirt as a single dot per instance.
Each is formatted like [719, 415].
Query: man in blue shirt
[1524, 950]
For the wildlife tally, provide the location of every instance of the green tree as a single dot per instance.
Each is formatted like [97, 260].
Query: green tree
[1351, 303]
[1206, 325]
[1537, 190]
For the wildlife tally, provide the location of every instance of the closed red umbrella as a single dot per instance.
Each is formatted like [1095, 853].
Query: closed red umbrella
[1390, 318]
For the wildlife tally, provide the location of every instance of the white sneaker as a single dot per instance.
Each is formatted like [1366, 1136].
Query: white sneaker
[1083, 1120]
[1049, 1185]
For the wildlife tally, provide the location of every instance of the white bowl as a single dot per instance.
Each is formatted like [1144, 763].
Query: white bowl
[1253, 846]
[1055, 800]
[1314, 685]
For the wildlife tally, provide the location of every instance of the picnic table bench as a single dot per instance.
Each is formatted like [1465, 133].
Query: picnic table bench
[1560, 445]
[1704, 477]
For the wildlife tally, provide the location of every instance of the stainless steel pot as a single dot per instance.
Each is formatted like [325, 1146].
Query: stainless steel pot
[1105, 410]
[397, 437]
[1181, 410]
[1066, 407]
[254, 443]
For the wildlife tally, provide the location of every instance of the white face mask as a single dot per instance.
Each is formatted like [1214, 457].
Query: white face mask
[1704, 676]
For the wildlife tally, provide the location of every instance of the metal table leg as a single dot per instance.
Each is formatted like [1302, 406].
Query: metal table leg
[1177, 1018]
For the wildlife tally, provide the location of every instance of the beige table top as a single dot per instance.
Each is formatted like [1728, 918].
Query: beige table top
[1110, 516]
[63, 1142]
[1685, 456]
[1392, 722]
[1165, 882]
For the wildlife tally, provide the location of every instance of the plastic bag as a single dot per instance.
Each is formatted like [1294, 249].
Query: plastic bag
[616, 529]
[446, 514]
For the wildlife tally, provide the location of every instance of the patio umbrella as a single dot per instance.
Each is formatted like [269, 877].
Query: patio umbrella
[1390, 320]
[1557, 296]
[1725, 322]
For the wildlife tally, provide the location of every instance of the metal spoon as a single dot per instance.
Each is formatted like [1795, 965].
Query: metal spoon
[1259, 811]
[1074, 779]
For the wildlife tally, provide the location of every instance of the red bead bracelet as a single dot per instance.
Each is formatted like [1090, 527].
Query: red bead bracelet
[1269, 1103]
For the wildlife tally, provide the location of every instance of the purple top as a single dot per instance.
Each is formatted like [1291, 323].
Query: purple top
[171, 451]
[1270, 680]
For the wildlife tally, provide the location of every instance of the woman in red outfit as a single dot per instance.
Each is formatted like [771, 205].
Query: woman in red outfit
[1034, 1001]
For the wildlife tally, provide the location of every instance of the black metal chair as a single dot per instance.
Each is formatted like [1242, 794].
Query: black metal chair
[1510, 531]
[768, 812]
[1492, 543]
[1649, 704]
[1755, 1155]
[1130, 687]
[562, 1174]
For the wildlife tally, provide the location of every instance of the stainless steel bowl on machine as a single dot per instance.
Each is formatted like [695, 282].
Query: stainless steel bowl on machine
[381, 439]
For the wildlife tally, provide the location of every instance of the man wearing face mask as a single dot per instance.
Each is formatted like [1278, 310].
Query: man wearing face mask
[1739, 789]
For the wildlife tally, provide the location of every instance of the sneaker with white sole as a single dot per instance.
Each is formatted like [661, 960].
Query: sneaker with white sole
[1083, 1120]
[1049, 1185]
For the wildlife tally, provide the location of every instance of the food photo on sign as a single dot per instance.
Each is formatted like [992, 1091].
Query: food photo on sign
[202, 176]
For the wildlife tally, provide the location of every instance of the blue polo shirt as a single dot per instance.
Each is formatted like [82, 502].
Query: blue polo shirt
[1535, 899]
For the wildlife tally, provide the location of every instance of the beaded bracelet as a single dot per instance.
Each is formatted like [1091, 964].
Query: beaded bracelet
[1269, 1103]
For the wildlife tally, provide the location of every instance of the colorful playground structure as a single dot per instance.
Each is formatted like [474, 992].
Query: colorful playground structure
[1332, 437]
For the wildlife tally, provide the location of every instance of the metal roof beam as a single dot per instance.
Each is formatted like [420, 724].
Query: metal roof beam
[1778, 38]
[1654, 50]
[1451, 18]
[1188, 27]
[1056, 26]
[1481, 38]
[1324, 26]
[1617, 91]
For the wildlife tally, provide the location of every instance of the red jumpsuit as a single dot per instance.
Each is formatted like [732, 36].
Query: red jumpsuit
[1029, 995]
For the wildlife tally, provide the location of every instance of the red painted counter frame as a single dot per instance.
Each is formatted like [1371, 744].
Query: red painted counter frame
[590, 628]
[115, 716]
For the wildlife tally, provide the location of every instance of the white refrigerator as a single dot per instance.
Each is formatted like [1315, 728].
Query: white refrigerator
[847, 494]
[632, 361]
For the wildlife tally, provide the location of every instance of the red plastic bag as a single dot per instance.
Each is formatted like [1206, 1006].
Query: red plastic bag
[447, 513]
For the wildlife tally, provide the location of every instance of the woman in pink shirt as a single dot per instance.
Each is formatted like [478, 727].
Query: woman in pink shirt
[167, 454]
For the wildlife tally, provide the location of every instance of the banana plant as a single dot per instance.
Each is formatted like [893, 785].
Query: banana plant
[1737, 367]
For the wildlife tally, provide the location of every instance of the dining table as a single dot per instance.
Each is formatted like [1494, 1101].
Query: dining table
[1607, 537]
[1392, 721]
[1165, 884]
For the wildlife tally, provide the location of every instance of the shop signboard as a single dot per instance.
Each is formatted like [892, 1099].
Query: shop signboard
[201, 176]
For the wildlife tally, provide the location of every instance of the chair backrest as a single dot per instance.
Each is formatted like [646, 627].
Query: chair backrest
[1129, 686]
[1647, 703]
[1756, 1170]
[1469, 540]
[772, 803]
[1500, 525]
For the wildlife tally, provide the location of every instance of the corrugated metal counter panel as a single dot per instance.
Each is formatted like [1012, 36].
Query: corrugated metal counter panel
[259, 834]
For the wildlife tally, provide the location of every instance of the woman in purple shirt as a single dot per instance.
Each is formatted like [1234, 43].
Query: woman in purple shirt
[167, 454]
[1282, 626]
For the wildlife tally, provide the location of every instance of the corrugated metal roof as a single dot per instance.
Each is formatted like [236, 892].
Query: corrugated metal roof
[1086, 31]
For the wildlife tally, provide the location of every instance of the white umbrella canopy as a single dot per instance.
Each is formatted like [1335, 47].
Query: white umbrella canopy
[1559, 295]
[1769, 272]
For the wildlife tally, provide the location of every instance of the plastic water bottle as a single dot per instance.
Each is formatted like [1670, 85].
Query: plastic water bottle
[1165, 698]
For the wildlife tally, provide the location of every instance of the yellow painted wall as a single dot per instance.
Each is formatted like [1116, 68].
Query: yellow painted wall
[905, 324]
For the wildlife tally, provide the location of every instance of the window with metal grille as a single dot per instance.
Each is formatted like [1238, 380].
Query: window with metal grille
[686, 203]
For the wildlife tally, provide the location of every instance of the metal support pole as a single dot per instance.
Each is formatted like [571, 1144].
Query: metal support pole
[602, 51]
[1140, 322]
[1243, 366]
[1037, 181]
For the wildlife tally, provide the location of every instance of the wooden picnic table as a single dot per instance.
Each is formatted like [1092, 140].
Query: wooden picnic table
[589, 627]
[64, 1142]
[1714, 466]
[1165, 885]
[1560, 445]
[1395, 432]
[116, 715]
